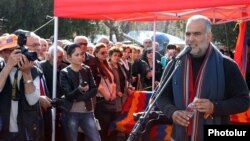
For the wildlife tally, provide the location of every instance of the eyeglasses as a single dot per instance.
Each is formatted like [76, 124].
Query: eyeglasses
[103, 53]
[81, 44]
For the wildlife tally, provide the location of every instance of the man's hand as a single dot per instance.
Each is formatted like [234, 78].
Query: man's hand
[45, 102]
[181, 117]
[203, 105]
[25, 65]
[14, 58]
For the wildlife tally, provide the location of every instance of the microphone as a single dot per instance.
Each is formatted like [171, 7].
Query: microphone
[183, 52]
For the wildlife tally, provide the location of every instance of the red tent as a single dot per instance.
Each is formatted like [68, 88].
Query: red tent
[148, 10]
[220, 11]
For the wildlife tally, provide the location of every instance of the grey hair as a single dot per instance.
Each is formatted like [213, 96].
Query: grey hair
[80, 37]
[102, 38]
[51, 50]
[202, 18]
[34, 35]
[147, 39]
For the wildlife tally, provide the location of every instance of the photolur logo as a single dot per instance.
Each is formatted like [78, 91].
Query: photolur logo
[227, 132]
[215, 132]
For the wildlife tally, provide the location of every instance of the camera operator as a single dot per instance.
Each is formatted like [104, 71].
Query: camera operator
[29, 44]
[19, 94]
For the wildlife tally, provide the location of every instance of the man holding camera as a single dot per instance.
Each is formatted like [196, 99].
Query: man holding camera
[20, 113]
[29, 44]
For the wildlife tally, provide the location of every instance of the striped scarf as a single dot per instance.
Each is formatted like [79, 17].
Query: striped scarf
[209, 85]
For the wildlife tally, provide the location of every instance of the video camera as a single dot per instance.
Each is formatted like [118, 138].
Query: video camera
[21, 41]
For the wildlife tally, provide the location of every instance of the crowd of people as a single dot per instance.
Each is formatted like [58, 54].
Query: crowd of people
[94, 81]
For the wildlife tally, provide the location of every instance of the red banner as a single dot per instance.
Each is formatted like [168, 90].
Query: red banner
[240, 55]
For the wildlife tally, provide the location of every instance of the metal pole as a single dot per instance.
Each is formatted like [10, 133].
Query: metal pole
[153, 71]
[54, 75]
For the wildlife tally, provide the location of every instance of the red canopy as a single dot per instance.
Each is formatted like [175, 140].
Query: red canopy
[146, 10]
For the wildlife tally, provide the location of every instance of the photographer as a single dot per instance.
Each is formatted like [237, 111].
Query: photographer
[29, 44]
[19, 94]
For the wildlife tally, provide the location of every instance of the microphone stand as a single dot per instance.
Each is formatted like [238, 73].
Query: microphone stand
[141, 121]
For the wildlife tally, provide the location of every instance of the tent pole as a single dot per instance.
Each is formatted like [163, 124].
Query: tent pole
[153, 71]
[54, 75]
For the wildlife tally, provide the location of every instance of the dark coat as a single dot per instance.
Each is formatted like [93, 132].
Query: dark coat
[47, 69]
[70, 82]
[29, 118]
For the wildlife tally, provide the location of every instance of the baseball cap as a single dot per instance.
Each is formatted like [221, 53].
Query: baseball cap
[8, 42]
